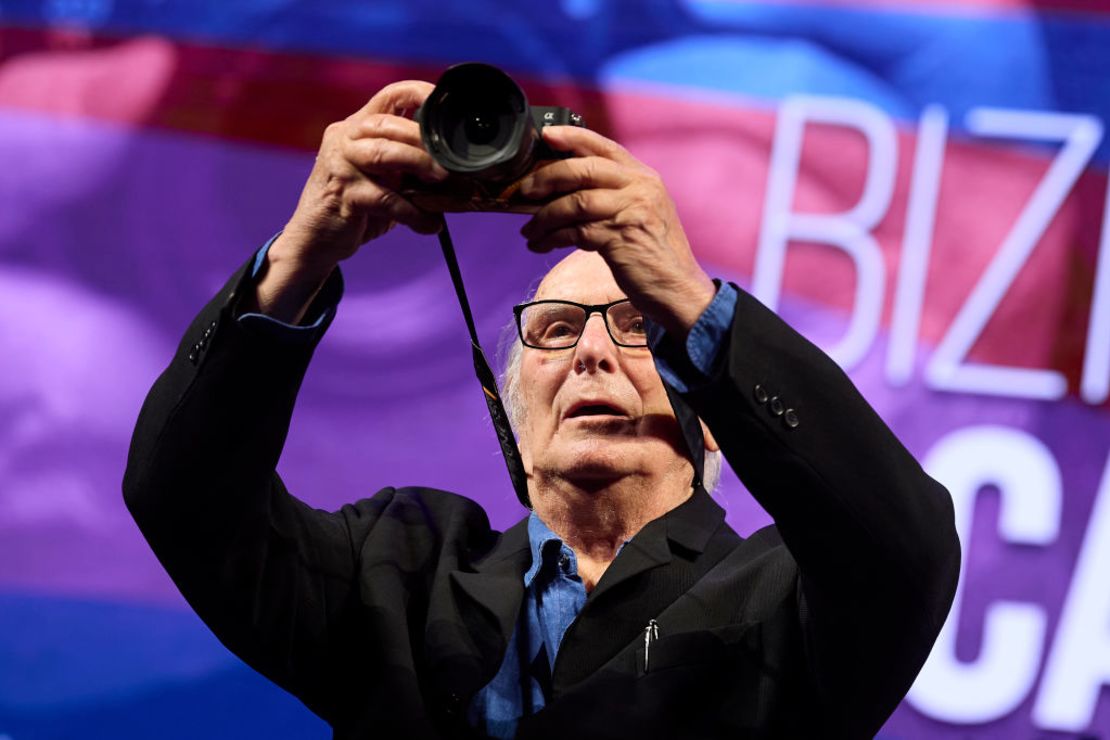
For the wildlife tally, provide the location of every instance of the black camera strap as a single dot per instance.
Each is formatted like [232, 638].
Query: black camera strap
[688, 420]
[497, 414]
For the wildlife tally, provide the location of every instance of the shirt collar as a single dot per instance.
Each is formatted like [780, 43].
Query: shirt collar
[539, 534]
[690, 525]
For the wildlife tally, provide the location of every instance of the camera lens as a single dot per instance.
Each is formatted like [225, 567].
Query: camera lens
[481, 129]
[476, 127]
[476, 122]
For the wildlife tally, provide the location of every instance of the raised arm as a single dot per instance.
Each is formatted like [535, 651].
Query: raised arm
[270, 575]
[872, 534]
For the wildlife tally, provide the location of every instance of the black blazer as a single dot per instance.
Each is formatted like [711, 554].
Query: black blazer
[387, 616]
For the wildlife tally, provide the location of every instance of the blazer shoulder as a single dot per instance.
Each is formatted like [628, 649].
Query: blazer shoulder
[437, 503]
[765, 538]
[430, 516]
[763, 549]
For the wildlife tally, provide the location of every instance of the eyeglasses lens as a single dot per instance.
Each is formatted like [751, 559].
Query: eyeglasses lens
[559, 325]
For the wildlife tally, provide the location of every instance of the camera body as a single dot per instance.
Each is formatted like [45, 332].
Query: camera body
[478, 125]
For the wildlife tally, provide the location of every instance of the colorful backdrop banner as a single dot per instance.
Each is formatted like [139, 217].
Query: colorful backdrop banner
[920, 187]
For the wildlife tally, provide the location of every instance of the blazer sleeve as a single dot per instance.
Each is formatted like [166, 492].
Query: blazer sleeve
[872, 534]
[271, 576]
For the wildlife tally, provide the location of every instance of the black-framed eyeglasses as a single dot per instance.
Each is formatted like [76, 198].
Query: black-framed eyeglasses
[559, 324]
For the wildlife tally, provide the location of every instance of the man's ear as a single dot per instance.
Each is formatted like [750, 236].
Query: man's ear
[710, 443]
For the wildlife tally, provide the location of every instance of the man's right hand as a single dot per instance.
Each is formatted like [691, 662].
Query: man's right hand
[350, 198]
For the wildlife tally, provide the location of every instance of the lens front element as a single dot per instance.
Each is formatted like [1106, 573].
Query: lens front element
[476, 122]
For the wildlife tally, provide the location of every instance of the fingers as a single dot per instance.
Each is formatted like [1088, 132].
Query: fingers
[369, 197]
[378, 141]
[388, 157]
[584, 143]
[386, 126]
[399, 97]
[578, 173]
[578, 235]
[575, 219]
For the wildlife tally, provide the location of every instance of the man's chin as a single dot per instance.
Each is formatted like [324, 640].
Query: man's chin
[601, 459]
[599, 471]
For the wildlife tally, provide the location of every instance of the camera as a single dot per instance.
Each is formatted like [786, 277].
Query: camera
[478, 125]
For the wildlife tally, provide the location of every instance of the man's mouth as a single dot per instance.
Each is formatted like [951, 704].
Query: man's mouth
[592, 408]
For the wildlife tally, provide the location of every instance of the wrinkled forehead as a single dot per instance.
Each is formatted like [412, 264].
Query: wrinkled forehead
[582, 277]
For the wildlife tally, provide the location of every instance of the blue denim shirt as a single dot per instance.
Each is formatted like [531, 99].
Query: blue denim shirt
[553, 596]
[553, 591]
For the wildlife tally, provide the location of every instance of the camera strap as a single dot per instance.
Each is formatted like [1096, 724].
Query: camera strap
[505, 438]
[688, 420]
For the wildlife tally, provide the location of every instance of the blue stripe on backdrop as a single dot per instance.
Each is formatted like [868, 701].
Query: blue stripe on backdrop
[104, 671]
[900, 61]
[72, 668]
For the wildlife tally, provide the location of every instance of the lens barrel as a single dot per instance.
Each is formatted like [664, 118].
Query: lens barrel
[477, 123]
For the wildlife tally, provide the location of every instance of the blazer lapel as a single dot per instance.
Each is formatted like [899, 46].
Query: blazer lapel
[466, 647]
[663, 561]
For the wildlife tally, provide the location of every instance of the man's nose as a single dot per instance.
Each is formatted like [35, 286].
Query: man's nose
[595, 350]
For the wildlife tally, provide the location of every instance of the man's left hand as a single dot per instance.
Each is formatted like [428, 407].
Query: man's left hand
[606, 200]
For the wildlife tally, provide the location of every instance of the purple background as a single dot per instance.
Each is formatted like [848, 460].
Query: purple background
[117, 222]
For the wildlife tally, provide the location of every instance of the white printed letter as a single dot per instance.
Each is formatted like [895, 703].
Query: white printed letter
[913, 267]
[1095, 386]
[947, 370]
[1028, 480]
[849, 231]
[1079, 664]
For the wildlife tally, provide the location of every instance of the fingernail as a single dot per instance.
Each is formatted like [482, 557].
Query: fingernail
[526, 186]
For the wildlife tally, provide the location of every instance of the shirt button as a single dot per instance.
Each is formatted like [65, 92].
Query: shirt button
[776, 406]
[791, 419]
[564, 563]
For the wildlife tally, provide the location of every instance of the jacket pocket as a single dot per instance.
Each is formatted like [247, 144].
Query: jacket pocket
[698, 647]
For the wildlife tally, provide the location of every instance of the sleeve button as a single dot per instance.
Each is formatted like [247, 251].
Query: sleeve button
[776, 406]
[791, 418]
[760, 394]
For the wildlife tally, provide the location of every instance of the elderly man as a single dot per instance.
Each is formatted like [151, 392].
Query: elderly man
[623, 606]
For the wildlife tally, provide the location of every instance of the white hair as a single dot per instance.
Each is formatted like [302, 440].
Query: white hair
[514, 407]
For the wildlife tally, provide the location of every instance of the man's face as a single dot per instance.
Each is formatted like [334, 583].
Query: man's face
[596, 411]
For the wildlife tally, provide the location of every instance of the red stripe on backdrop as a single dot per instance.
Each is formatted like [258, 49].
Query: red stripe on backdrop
[718, 174]
[255, 95]
[714, 156]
